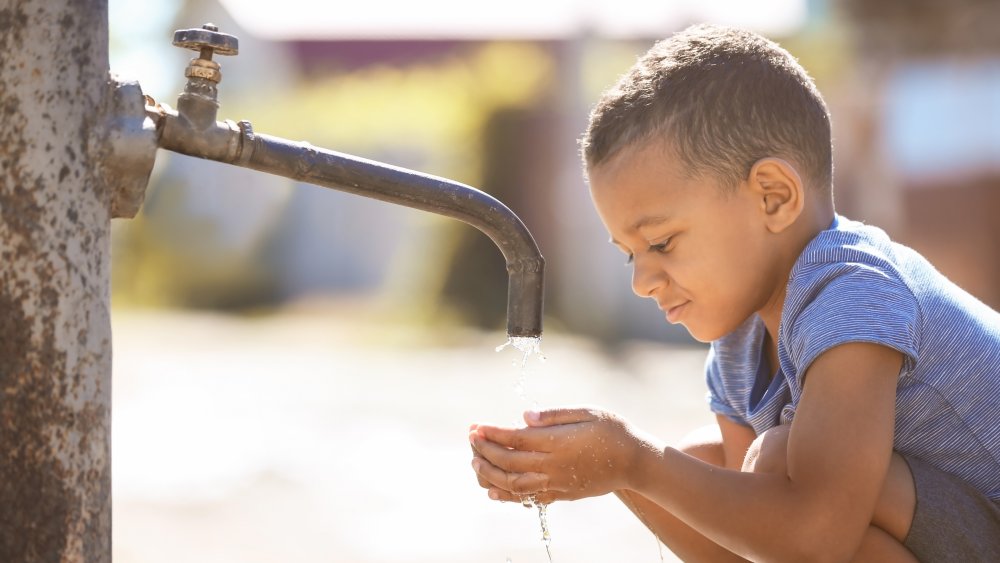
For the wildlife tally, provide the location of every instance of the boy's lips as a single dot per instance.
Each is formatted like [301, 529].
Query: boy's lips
[674, 311]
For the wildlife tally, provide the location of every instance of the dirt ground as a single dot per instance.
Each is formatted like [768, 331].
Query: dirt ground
[317, 437]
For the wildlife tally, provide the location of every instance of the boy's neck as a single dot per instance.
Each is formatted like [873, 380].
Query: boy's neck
[812, 221]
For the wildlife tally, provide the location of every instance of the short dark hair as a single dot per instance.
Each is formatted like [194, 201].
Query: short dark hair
[724, 98]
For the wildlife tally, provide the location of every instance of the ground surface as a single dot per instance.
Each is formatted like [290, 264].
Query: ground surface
[315, 437]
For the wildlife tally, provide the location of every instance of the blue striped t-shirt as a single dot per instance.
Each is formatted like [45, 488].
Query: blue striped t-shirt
[852, 284]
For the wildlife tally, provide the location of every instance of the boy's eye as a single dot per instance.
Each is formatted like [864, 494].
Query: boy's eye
[660, 247]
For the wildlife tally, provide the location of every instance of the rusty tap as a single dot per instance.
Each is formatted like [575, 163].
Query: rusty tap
[199, 103]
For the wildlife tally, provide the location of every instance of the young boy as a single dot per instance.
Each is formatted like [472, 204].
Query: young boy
[857, 390]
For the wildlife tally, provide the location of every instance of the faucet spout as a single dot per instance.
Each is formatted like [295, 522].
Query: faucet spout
[192, 129]
[525, 265]
[238, 144]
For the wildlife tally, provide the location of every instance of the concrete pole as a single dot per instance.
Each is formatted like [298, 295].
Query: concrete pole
[55, 334]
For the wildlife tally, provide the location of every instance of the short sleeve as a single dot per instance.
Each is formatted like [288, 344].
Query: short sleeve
[716, 396]
[850, 303]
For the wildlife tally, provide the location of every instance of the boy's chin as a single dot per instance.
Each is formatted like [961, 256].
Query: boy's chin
[700, 338]
[705, 334]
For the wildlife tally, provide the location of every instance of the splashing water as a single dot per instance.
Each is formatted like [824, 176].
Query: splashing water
[642, 518]
[543, 519]
[529, 346]
[528, 501]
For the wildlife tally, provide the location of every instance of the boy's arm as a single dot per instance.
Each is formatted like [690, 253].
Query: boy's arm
[839, 448]
[684, 541]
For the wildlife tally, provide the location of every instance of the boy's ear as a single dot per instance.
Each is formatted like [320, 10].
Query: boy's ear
[779, 189]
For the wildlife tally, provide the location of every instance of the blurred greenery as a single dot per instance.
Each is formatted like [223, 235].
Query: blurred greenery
[497, 115]
[432, 113]
[436, 107]
[489, 114]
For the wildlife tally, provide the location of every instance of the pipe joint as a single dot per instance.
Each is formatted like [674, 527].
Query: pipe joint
[131, 141]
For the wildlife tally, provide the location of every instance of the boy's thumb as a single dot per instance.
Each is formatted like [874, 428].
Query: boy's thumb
[553, 417]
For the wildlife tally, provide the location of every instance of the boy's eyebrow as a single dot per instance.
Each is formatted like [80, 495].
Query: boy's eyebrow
[644, 222]
[649, 220]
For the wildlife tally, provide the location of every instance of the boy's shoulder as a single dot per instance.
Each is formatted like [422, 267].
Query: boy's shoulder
[850, 242]
[851, 257]
[853, 283]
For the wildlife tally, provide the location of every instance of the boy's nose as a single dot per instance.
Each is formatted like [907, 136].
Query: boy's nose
[646, 278]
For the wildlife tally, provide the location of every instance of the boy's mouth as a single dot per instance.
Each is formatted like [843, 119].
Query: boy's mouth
[674, 312]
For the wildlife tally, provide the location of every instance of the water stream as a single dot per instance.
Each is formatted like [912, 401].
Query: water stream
[529, 346]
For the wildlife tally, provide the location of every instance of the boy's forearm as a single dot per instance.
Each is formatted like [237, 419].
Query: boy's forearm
[684, 541]
[752, 515]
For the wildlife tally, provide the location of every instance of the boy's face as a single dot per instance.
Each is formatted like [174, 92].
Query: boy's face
[702, 253]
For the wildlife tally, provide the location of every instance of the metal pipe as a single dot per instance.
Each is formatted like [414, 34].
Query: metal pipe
[237, 144]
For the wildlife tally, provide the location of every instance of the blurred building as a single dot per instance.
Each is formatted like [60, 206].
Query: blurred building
[926, 131]
[498, 100]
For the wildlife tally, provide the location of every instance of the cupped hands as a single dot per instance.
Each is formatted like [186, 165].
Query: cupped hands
[563, 454]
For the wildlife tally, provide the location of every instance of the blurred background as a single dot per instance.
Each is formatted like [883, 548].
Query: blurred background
[296, 368]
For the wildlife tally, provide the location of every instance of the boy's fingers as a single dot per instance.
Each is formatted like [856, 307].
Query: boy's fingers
[476, 461]
[496, 493]
[507, 459]
[527, 501]
[560, 416]
[483, 482]
[518, 483]
[522, 439]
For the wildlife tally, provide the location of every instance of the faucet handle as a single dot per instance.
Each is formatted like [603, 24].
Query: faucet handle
[207, 40]
[199, 101]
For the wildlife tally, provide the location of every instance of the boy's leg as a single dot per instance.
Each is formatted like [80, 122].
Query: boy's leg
[922, 512]
[897, 500]
[953, 521]
[883, 541]
[877, 546]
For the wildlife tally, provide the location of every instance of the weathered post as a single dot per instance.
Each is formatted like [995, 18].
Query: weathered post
[76, 149]
[55, 333]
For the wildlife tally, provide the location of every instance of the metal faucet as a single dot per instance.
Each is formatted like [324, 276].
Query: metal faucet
[192, 129]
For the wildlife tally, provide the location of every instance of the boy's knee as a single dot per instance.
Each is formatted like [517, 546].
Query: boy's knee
[768, 453]
[704, 444]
